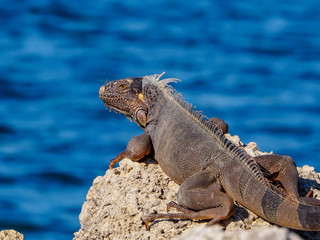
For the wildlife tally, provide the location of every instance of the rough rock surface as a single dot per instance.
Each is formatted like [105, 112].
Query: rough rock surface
[118, 201]
[10, 235]
[216, 233]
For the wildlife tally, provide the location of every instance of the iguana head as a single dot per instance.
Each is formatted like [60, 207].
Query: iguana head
[125, 96]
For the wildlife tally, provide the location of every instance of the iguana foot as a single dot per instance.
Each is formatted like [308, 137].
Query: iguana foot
[153, 216]
[310, 193]
[213, 214]
[117, 159]
[137, 148]
[310, 199]
[175, 205]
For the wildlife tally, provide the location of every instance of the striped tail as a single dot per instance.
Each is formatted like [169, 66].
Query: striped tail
[289, 213]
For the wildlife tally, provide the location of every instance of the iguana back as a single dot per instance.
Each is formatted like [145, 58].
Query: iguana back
[184, 141]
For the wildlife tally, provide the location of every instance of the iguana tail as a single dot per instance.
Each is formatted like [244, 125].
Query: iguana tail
[270, 203]
[290, 213]
[283, 211]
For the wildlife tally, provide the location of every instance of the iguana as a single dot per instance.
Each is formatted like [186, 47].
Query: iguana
[212, 171]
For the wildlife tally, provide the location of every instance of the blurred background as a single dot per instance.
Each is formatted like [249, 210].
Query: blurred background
[255, 64]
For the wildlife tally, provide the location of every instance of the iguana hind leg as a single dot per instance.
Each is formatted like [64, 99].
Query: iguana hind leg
[137, 148]
[200, 197]
[283, 169]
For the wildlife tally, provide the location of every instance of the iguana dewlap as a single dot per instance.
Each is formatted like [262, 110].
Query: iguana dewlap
[213, 172]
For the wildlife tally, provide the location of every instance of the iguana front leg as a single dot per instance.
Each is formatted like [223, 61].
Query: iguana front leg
[200, 197]
[137, 148]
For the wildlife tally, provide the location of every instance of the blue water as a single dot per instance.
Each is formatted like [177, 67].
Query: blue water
[256, 64]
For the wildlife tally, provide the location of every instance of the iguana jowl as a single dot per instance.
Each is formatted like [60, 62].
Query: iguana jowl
[193, 151]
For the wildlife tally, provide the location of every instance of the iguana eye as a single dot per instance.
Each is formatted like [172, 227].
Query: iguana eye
[123, 86]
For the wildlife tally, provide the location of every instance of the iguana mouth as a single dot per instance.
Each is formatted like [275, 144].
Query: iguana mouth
[116, 110]
[103, 96]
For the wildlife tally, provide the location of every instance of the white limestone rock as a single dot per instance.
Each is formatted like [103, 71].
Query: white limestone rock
[118, 201]
[10, 235]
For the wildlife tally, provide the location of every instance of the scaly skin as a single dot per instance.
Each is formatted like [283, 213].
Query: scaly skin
[193, 151]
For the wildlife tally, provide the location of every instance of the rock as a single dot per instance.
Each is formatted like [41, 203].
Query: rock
[118, 201]
[215, 233]
[10, 235]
